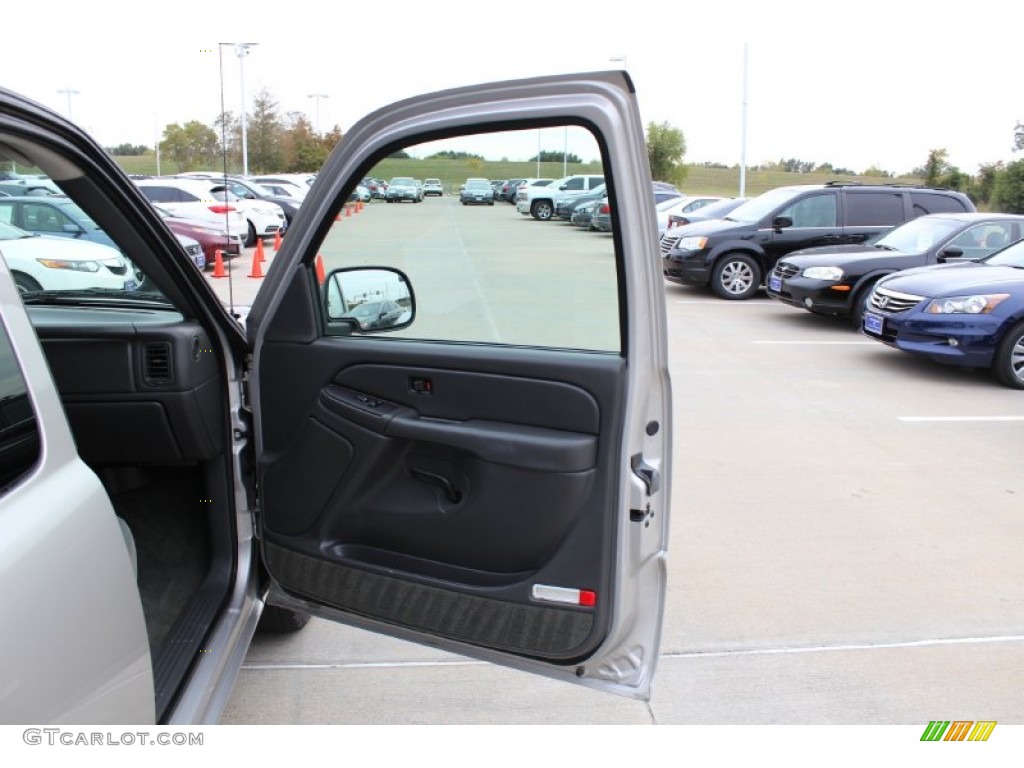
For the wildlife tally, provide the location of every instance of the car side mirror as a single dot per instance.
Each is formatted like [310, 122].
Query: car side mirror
[71, 228]
[950, 253]
[368, 299]
[779, 223]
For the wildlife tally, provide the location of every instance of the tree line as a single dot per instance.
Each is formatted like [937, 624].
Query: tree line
[275, 142]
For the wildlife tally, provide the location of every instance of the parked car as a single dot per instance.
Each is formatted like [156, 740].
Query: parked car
[838, 281]
[433, 187]
[172, 477]
[58, 216]
[192, 198]
[602, 217]
[476, 191]
[508, 190]
[565, 207]
[245, 189]
[733, 255]
[53, 215]
[403, 188]
[583, 214]
[718, 210]
[41, 263]
[540, 201]
[966, 313]
[30, 186]
[210, 238]
[680, 205]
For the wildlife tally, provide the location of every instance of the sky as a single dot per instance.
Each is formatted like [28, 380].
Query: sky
[855, 84]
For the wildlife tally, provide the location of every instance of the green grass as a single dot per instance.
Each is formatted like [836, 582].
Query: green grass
[452, 173]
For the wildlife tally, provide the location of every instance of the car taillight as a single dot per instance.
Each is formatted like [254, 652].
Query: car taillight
[221, 208]
[605, 208]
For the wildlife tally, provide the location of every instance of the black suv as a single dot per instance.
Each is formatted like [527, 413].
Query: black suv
[733, 255]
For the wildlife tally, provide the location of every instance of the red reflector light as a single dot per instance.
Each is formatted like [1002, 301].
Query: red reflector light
[221, 208]
[606, 208]
[588, 598]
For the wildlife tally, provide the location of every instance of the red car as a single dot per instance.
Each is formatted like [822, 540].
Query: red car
[209, 237]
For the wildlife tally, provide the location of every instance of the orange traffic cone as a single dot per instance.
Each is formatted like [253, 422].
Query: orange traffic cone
[359, 206]
[348, 211]
[320, 276]
[218, 264]
[259, 255]
[256, 271]
[277, 241]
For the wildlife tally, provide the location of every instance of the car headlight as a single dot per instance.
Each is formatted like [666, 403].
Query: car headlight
[980, 304]
[691, 243]
[78, 266]
[824, 273]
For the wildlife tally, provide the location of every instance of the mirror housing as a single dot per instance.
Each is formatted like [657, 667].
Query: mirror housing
[368, 300]
[779, 223]
[950, 253]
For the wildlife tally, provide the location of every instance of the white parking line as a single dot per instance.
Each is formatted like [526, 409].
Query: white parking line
[853, 647]
[931, 643]
[925, 419]
[813, 343]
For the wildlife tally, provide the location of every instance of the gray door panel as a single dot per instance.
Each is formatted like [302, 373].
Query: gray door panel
[475, 492]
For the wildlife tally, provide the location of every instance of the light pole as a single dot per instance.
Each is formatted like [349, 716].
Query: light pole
[242, 50]
[317, 96]
[70, 92]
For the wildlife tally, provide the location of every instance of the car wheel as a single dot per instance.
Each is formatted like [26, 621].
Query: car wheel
[250, 236]
[1008, 364]
[860, 304]
[541, 210]
[25, 283]
[280, 621]
[736, 277]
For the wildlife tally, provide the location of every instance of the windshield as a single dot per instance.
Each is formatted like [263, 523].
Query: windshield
[755, 210]
[1009, 257]
[919, 235]
[80, 216]
[9, 232]
[477, 184]
[402, 182]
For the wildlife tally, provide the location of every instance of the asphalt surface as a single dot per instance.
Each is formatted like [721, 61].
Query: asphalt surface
[845, 545]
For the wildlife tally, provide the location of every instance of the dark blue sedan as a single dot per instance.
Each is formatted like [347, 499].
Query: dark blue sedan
[968, 314]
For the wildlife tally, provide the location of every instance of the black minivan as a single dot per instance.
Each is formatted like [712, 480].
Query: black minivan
[733, 254]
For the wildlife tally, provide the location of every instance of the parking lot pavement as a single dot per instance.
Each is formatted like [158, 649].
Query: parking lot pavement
[844, 549]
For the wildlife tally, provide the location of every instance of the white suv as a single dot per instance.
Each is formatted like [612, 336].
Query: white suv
[168, 475]
[541, 201]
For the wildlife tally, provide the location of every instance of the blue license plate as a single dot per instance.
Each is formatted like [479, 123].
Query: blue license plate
[775, 284]
[873, 323]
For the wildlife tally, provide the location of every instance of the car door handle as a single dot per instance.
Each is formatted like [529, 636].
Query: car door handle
[440, 481]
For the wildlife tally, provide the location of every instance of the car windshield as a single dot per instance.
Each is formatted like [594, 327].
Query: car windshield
[919, 235]
[8, 232]
[402, 182]
[477, 184]
[754, 210]
[1008, 257]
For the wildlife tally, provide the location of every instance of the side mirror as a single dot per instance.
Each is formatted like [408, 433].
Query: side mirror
[950, 253]
[368, 299]
[781, 222]
[71, 228]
